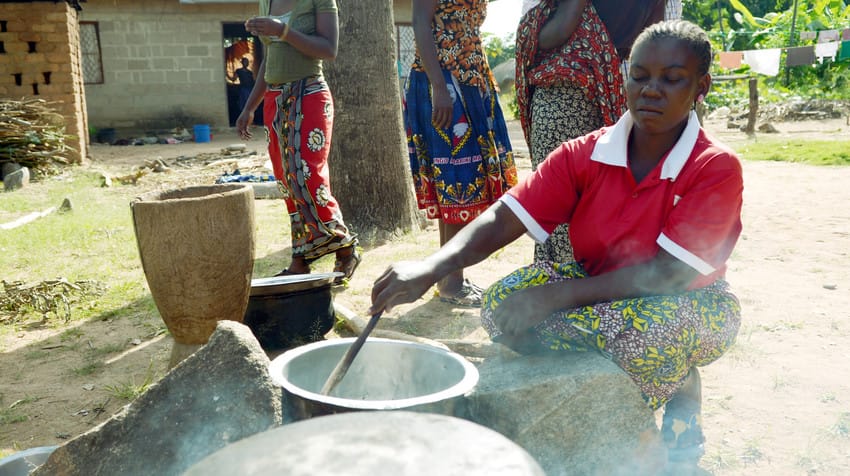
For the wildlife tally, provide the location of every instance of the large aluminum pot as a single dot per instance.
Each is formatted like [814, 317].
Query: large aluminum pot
[26, 461]
[386, 375]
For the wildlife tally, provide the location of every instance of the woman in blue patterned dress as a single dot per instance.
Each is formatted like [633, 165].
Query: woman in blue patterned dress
[460, 154]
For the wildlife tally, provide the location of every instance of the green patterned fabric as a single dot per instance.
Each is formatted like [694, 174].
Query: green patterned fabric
[656, 340]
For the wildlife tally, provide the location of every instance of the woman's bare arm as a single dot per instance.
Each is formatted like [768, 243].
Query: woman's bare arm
[561, 24]
[322, 45]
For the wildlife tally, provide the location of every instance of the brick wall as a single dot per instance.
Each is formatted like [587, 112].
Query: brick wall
[40, 58]
[163, 63]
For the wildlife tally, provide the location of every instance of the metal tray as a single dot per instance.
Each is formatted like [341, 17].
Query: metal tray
[291, 283]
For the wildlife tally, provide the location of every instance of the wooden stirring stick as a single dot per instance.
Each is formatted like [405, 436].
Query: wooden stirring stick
[342, 367]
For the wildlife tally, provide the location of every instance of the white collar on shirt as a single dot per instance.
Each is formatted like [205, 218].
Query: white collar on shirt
[612, 147]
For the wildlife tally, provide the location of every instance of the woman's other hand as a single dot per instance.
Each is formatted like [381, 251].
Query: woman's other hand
[524, 309]
[243, 124]
[441, 107]
[402, 282]
[264, 26]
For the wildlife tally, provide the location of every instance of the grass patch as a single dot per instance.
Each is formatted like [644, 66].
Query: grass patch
[779, 382]
[94, 240]
[73, 333]
[828, 397]
[36, 354]
[87, 369]
[131, 390]
[752, 452]
[719, 461]
[841, 428]
[11, 414]
[813, 152]
[108, 349]
[781, 326]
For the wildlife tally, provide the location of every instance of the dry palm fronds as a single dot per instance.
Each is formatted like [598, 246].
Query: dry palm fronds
[33, 135]
[51, 296]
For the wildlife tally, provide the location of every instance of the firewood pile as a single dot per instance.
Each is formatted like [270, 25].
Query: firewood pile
[53, 296]
[33, 135]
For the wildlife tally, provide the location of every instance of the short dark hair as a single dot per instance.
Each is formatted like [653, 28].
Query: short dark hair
[692, 35]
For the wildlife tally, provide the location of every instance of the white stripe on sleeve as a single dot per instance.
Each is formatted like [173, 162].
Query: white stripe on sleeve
[684, 255]
[533, 229]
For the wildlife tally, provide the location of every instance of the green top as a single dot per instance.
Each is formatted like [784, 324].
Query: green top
[284, 63]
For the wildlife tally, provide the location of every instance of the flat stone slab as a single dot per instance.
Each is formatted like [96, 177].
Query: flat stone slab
[574, 412]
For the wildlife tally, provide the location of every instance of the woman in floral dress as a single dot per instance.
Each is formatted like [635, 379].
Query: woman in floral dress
[568, 78]
[460, 154]
[298, 116]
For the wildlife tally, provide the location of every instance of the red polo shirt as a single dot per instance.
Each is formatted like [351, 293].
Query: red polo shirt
[689, 204]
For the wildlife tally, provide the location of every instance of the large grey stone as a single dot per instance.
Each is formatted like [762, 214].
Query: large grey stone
[575, 413]
[18, 179]
[266, 190]
[9, 167]
[220, 394]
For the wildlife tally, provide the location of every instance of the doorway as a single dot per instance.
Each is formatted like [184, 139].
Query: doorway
[238, 44]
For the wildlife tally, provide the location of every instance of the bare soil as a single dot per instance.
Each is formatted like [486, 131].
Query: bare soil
[777, 403]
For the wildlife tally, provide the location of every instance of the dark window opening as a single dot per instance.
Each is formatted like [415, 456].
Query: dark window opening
[239, 44]
[18, 78]
[46, 77]
[90, 51]
[35, 89]
[2, 47]
[31, 45]
[3, 26]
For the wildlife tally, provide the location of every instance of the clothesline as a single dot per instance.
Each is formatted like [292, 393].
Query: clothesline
[832, 44]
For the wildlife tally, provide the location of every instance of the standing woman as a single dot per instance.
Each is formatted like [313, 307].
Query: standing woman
[460, 154]
[298, 117]
[568, 78]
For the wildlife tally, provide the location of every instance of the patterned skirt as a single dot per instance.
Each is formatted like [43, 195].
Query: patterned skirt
[461, 170]
[558, 114]
[298, 119]
[656, 340]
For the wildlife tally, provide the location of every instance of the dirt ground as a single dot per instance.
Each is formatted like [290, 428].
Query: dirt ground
[777, 403]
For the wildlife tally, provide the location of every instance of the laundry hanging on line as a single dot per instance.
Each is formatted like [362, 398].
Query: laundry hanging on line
[800, 56]
[764, 62]
[731, 59]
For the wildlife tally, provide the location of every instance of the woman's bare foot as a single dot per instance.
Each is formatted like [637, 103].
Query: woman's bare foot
[347, 261]
[298, 266]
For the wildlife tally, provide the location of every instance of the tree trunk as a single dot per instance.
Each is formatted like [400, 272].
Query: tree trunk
[369, 168]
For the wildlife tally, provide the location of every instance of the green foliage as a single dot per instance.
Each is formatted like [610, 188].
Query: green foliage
[499, 49]
[737, 26]
[510, 108]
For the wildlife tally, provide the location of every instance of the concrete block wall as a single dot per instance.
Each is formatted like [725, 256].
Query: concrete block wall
[402, 11]
[40, 58]
[163, 63]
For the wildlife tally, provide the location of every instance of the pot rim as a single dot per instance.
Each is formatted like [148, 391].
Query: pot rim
[215, 190]
[464, 386]
[277, 285]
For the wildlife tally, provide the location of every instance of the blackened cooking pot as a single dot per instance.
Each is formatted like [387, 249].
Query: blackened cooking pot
[288, 311]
